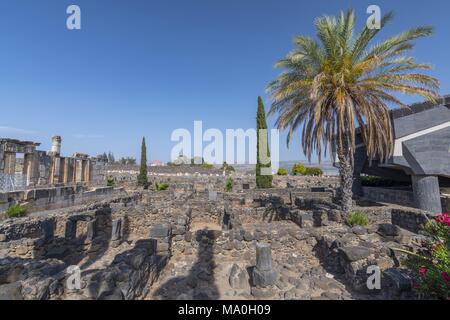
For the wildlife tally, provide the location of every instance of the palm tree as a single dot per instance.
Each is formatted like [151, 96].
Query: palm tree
[339, 82]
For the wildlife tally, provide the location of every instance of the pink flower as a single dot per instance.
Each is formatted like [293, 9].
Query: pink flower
[446, 277]
[422, 271]
[443, 218]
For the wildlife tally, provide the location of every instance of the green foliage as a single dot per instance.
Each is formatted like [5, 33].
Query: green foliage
[298, 168]
[282, 172]
[431, 264]
[207, 166]
[142, 177]
[313, 171]
[227, 167]
[16, 211]
[127, 161]
[371, 181]
[161, 186]
[229, 184]
[110, 182]
[356, 218]
[262, 181]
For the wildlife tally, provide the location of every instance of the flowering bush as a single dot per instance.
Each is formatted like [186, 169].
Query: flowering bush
[432, 262]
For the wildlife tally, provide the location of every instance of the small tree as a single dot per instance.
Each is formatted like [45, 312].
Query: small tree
[262, 180]
[142, 177]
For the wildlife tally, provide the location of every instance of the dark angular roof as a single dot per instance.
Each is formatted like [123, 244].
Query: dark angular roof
[419, 107]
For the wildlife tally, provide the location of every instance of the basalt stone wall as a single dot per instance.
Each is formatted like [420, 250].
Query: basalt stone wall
[57, 197]
[126, 278]
[446, 204]
[410, 219]
[400, 197]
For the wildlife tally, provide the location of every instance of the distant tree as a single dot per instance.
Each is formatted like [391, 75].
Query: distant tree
[142, 177]
[127, 161]
[262, 181]
[111, 157]
[103, 157]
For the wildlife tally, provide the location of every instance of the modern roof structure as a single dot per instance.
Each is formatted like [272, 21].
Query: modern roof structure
[421, 151]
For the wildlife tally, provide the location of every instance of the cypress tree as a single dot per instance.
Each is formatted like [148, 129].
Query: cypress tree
[262, 181]
[142, 177]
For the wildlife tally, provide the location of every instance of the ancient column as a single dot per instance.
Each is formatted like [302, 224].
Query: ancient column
[83, 170]
[56, 146]
[263, 273]
[116, 232]
[426, 193]
[10, 163]
[54, 178]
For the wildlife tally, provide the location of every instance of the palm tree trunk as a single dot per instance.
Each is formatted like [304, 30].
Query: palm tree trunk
[346, 175]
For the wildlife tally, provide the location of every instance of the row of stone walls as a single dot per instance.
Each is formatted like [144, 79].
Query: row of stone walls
[56, 197]
[400, 197]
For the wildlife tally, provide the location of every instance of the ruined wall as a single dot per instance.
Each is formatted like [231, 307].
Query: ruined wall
[56, 197]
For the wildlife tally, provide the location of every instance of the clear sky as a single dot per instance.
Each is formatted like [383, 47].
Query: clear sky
[148, 67]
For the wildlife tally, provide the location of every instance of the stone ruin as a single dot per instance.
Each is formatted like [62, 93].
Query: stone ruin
[195, 241]
[40, 168]
[47, 180]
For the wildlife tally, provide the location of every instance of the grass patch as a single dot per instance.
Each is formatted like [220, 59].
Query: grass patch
[161, 186]
[229, 184]
[16, 211]
[357, 218]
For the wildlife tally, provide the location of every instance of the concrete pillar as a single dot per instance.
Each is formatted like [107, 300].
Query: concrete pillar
[10, 163]
[426, 193]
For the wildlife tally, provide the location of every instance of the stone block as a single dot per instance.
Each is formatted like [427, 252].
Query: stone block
[160, 231]
[238, 278]
[355, 253]
[264, 278]
[263, 256]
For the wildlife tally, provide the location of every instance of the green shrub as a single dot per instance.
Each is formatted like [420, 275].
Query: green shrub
[431, 264]
[16, 211]
[313, 171]
[282, 172]
[110, 182]
[298, 168]
[227, 167]
[207, 166]
[229, 184]
[372, 181]
[161, 186]
[356, 218]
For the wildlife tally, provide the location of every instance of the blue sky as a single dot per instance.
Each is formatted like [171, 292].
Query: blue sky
[148, 67]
